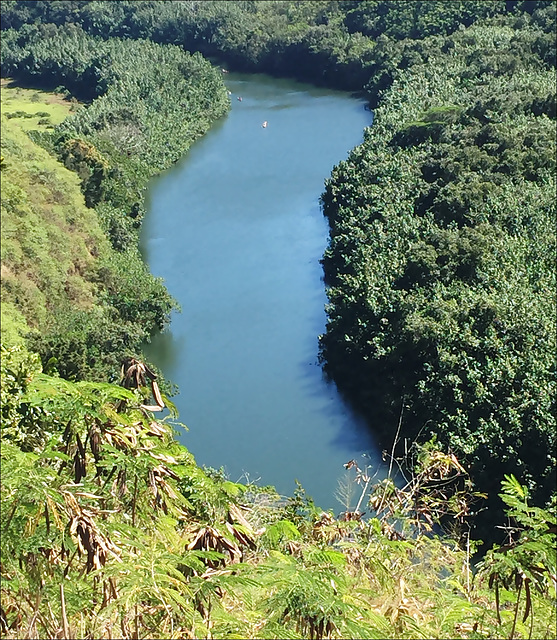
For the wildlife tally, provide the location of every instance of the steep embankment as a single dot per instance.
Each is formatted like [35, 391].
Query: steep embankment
[58, 266]
[52, 244]
[441, 263]
[149, 103]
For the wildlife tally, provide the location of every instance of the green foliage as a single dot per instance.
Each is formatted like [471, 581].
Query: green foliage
[107, 523]
[441, 258]
[90, 166]
[280, 532]
[81, 305]
[399, 20]
[12, 325]
[66, 531]
[19, 422]
[337, 44]
[149, 103]
[528, 561]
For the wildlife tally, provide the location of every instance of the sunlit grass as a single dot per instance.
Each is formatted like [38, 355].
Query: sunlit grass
[36, 109]
[49, 237]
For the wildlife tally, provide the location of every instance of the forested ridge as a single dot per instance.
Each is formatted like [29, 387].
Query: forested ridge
[148, 103]
[441, 262]
[440, 273]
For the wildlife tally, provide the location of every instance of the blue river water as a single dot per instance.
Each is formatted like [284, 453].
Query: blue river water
[236, 232]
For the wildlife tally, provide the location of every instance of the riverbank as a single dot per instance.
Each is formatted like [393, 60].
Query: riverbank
[147, 104]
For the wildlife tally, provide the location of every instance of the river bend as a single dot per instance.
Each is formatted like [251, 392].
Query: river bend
[236, 231]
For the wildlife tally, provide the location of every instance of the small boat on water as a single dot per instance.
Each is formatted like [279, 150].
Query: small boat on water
[240, 98]
[264, 124]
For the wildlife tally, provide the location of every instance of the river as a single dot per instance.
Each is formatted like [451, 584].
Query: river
[236, 231]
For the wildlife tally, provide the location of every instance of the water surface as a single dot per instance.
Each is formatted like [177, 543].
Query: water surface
[236, 231]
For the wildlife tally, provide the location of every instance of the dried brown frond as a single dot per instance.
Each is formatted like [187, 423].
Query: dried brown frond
[240, 528]
[404, 605]
[210, 539]
[91, 541]
[390, 532]
[156, 429]
[325, 529]
[294, 548]
[95, 440]
[123, 438]
[133, 376]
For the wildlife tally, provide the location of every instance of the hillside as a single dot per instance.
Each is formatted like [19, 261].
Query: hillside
[109, 529]
[57, 262]
[52, 244]
[147, 105]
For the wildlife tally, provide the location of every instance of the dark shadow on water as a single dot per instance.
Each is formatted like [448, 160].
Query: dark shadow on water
[354, 433]
[164, 349]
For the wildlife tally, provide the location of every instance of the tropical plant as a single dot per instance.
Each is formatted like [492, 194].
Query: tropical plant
[528, 559]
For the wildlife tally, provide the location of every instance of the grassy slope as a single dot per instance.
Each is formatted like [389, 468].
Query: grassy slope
[50, 239]
[33, 102]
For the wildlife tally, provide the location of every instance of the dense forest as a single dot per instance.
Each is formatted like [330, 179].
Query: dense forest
[440, 274]
[441, 261]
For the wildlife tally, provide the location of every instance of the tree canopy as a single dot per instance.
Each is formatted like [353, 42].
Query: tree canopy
[441, 261]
